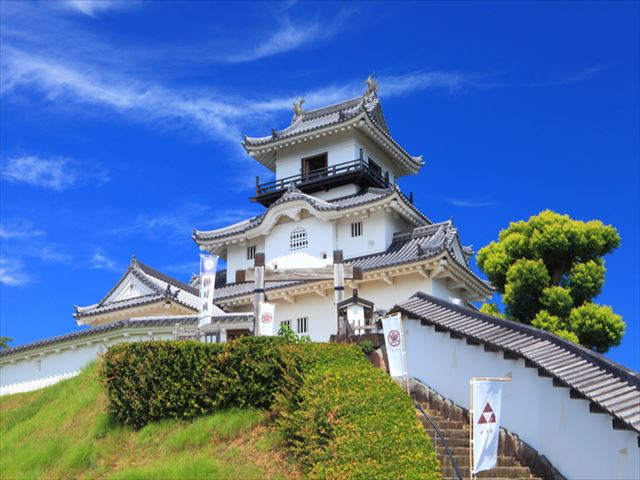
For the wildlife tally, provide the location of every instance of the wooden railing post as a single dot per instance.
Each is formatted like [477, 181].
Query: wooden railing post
[258, 290]
[338, 286]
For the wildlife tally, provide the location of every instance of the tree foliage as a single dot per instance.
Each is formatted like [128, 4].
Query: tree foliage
[548, 270]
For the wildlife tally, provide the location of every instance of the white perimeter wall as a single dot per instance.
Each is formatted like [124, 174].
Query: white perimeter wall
[46, 367]
[578, 443]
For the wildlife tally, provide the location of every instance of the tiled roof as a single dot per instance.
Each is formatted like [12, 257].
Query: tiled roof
[419, 244]
[159, 284]
[124, 324]
[330, 116]
[366, 196]
[610, 386]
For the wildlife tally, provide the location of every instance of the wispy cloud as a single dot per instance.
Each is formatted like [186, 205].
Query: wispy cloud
[13, 273]
[92, 8]
[18, 228]
[468, 203]
[291, 35]
[174, 224]
[57, 173]
[101, 261]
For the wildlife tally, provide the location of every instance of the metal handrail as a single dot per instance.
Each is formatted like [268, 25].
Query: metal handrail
[456, 470]
[339, 168]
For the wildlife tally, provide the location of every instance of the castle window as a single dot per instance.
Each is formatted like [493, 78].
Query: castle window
[356, 229]
[298, 240]
[303, 324]
[375, 168]
[285, 322]
[251, 252]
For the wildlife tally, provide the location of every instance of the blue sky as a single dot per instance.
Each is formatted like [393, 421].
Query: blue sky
[122, 122]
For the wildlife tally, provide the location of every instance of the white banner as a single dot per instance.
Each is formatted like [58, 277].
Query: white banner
[487, 402]
[208, 267]
[266, 319]
[394, 340]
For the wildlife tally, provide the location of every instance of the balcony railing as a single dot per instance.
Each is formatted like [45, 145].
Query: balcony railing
[319, 177]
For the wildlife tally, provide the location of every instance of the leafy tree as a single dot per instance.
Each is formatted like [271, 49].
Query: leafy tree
[548, 270]
[4, 342]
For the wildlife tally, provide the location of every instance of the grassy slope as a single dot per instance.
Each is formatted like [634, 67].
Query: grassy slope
[64, 431]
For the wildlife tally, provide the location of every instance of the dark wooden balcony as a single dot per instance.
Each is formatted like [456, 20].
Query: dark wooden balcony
[358, 172]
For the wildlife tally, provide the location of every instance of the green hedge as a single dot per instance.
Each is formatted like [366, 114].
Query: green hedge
[149, 381]
[341, 417]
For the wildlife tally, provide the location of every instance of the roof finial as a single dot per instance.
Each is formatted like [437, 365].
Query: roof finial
[372, 86]
[134, 260]
[297, 107]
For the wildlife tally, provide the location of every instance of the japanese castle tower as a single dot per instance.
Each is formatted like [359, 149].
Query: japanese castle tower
[336, 172]
[573, 412]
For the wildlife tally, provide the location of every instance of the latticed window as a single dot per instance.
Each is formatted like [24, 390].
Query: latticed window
[356, 229]
[251, 252]
[298, 240]
[303, 324]
[285, 322]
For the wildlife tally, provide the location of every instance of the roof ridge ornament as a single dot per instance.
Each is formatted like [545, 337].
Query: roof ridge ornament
[372, 88]
[297, 107]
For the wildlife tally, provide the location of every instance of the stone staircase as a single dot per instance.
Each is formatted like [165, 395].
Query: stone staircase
[456, 433]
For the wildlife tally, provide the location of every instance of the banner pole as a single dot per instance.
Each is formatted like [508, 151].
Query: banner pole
[405, 364]
[471, 429]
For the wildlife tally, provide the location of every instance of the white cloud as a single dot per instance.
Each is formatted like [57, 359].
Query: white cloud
[57, 173]
[12, 272]
[100, 261]
[54, 173]
[291, 35]
[93, 7]
[462, 203]
[17, 229]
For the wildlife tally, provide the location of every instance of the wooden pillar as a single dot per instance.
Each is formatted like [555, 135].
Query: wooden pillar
[258, 290]
[338, 286]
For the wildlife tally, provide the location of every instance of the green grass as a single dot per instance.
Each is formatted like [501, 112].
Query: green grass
[63, 431]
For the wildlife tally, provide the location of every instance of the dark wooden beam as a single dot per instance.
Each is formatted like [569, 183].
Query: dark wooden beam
[559, 383]
[510, 356]
[595, 408]
[620, 425]
[575, 394]
[490, 348]
[455, 335]
[473, 341]
[543, 373]
[529, 364]
[441, 329]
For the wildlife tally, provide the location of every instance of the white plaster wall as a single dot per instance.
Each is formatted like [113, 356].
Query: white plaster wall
[372, 239]
[377, 155]
[237, 257]
[578, 443]
[319, 310]
[337, 192]
[340, 148]
[47, 367]
[319, 233]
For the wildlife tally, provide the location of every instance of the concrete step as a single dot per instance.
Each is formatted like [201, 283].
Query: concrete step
[446, 424]
[463, 460]
[452, 442]
[496, 472]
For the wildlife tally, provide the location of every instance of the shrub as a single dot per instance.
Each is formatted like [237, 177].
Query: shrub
[350, 420]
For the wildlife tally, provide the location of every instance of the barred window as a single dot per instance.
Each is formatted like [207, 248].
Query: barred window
[303, 324]
[285, 322]
[298, 240]
[356, 229]
[251, 252]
